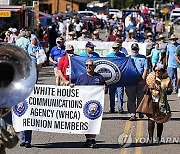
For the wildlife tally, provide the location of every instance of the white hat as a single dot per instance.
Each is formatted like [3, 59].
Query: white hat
[10, 29]
[14, 30]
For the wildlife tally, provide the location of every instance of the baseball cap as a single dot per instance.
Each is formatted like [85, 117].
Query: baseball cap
[59, 39]
[90, 45]
[134, 46]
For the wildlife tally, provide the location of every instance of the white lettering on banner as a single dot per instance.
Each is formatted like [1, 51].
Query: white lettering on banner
[61, 109]
[103, 48]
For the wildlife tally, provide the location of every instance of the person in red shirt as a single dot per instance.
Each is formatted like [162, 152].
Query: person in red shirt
[63, 65]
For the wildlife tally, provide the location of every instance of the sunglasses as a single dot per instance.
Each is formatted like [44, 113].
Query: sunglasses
[115, 48]
[90, 65]
[157, 70]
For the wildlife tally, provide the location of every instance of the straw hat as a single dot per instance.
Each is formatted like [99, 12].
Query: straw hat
[173, 37]
[84, 31]
[95, 32]
[161, 36]
[72, 33]
[149, 34]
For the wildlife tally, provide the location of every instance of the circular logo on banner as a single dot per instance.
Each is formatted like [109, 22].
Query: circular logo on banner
[109, 70]
[20, 108]
[92, 109]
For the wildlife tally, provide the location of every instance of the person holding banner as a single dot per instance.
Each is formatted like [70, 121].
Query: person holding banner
[89, 51]
[119, 91]
[136, 91]
[56, 54]
[63, 65]
[90, 78]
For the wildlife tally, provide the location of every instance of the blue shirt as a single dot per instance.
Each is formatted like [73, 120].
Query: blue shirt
[119, 54]
[57, 53]
[33, 49]
[141, 63]
[155, 55]
[171, 51]
[95, 79]
[92, 55]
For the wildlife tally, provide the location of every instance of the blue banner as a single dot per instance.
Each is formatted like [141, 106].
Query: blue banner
[116, 71]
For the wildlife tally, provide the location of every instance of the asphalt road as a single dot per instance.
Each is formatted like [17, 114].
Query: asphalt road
[113, 125]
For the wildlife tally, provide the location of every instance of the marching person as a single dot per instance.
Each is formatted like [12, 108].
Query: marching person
[23, 42]
[26, 136]
[162, 47]
[63, 65]
[33, 48]
[149, 46]
[95, 36]
[155, 55]
[171, 62]
[119, 91]
[84, 36]
[90, 78]
[158, 87]
[131, 36]
[177, 57]
[89, 51]
[136, 91]
[56, 54]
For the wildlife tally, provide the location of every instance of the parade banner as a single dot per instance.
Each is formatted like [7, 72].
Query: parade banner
[103, 48]
[118, 71]
[61, 109]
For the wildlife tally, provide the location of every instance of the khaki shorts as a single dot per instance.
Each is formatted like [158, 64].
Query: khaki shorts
[178, 73]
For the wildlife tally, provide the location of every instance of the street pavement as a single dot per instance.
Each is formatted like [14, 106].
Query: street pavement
[113, 126]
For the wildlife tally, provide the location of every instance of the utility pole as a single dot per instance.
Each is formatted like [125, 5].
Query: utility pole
[71, 5]
[112, 3]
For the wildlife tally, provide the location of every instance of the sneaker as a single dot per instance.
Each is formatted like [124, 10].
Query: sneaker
[90, 143]
[28, 145]
[121, 111]
[112, 111]
[141, 116]
[132, 118]
[22, 144]
[178, 92]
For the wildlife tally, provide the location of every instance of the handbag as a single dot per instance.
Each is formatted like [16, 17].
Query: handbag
[8, 137]
[146, 105]
[41, 56]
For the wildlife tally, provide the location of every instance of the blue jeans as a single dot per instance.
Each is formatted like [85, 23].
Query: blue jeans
[172, 72]
[26, 136]
[119, 91]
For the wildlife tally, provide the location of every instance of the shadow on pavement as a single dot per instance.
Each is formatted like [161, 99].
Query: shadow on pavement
[121, 118]
[75, 145]
[175, 111]
[175, 119]
[134, 145]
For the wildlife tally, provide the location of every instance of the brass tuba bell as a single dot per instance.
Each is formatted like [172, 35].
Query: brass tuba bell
[17, 75]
